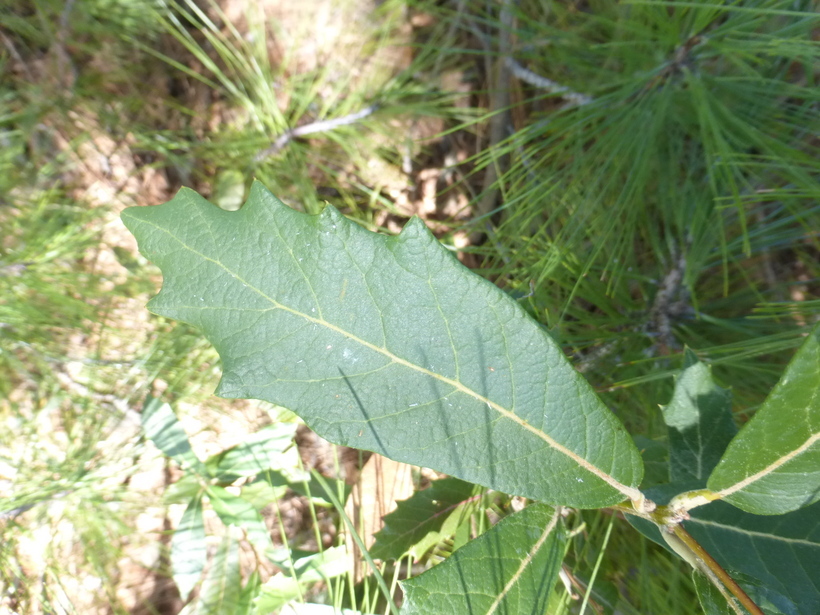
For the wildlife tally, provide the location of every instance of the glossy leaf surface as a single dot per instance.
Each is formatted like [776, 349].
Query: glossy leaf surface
[386, 344]
[776, 558]
[773, 465]
[782, 552]
[510, 569]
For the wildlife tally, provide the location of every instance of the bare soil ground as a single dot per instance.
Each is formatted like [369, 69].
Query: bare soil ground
[110, 172]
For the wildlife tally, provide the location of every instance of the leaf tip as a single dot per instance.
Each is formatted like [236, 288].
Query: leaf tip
[331, 216]
[415, 227]
[416, 230]
[258, 189]
[690, 358]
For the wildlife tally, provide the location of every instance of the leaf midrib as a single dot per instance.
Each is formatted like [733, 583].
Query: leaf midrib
[526, 561]
[629, 492]
[772, 467]
[755, 534]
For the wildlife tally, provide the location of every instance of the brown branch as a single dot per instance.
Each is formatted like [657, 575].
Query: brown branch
[708, 565]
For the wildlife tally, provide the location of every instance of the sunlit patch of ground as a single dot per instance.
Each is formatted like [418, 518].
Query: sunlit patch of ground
[102, 365]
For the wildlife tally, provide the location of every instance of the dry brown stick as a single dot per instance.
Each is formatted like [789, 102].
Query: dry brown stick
[714, 571]
[314, 127]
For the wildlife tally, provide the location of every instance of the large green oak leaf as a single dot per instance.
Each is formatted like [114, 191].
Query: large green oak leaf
[773, 465]
[387, 344]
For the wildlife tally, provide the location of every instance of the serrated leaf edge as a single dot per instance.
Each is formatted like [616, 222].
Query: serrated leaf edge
[630, 492]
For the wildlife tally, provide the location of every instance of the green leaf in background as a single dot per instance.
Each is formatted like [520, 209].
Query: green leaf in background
[188, 487]
[308, 608]
[781, 552]
[655, 457]
[423, 513]
[700, 422]
[189, 549]
[387, 344]
[248, 596]
[510, 569]
[268, 487]
[776, 558]
[713, 603]
[773, 465]
[769, 601]
[233, 510]
[164, 430]
[282, 588]
[222, 587]
[270, 448]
